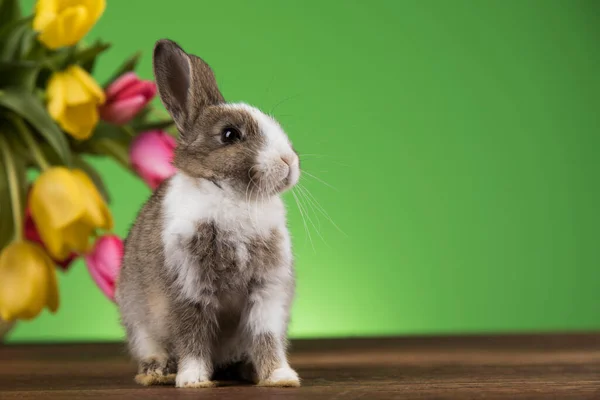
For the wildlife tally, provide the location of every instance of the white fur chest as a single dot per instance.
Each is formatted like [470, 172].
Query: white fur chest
[189, 203]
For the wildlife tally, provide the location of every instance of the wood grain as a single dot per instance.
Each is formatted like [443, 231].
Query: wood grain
[490, 367]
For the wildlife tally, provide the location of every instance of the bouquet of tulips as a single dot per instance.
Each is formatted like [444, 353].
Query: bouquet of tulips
[54, 117]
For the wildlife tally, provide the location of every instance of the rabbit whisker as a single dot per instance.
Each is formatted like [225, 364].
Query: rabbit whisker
[320, 208]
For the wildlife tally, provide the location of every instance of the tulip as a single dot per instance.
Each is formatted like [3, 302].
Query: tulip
[104, 263]
[65, 22]
[126, 97]
[32, 235]
[73, 100]
[151, 154]
[67, 208]
[27, 281]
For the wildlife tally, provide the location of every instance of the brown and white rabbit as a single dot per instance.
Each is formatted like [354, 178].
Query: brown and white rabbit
[207, 279]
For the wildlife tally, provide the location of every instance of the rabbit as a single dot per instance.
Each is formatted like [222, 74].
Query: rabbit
[207, 278]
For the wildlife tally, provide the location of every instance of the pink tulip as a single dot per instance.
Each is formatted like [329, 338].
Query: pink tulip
[151, 155]
[104, 263]
[126, 97]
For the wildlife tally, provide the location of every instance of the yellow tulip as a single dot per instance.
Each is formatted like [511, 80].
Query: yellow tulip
[67, 209]
[27, 281]
[73, 100]
[65, 22]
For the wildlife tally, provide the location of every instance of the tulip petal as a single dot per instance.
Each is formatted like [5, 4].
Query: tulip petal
[56, 183]
[57, 96]
[54, 243]
[23, 281]
[121, 112]
[52, 35]
[108, 256]
[73, 101]
[97, 213]
[95, 8]
[56, 202]
[65, 22]
[121, 83]
[88, 82]
[32, 235]
[75, 92]
[108, 288]
[104, 263]
[151, 155]
[80, 120]
[41, 296]
[146, 89]
[46, 6]
[75, 23]
[76, 236]
[43, 18]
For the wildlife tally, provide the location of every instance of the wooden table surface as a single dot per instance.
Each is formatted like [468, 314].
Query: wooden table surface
[510, 367]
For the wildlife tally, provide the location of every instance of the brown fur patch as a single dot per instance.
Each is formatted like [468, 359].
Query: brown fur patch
[186, 84]
[142, 273]
[202, 154]
[267, 250]
[264, 355]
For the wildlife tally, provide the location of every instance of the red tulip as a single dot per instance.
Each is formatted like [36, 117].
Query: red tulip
[104, 263]
[32, 234]
[151, 156]
[126, 97]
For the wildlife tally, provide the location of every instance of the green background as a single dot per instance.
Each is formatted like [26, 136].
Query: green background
[459, 139]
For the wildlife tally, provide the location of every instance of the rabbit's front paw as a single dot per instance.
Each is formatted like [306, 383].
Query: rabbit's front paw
[193, 376]
[281, 377]
[155, 372]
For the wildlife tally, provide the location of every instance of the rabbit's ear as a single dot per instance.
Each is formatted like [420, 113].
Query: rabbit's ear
[186, 84]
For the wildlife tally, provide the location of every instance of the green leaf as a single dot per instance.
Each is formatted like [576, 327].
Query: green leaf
[87, 57]
[58, 59]
[8, 28]
[153, 125]
[11, 38]
[23, 184]
[127, 66]
[142, 115]
[32, 49]
[80, 163]
[105, 130]
[6, 216]
[10, 10]
[116, 149]
[7, 208]
[18, 145]
[103, 142]
[32, 110]
[29, 44]
[19, 74]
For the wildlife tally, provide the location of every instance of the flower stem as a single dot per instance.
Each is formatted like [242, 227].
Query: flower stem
[13, 184]
[129, 130]
[35, 149]
[116, 151]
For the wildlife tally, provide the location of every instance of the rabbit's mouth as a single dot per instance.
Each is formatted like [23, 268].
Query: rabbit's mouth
[280, 177]
[286, 174]
[292, 177]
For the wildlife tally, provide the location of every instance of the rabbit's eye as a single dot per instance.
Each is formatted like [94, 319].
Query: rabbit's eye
[230, 135]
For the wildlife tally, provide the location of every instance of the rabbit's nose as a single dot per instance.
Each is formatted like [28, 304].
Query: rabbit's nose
[289, 160]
